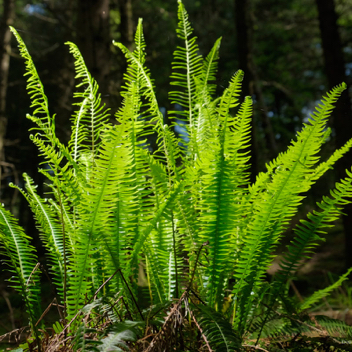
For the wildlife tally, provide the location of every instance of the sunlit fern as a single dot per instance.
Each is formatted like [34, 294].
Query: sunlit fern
[183, 217]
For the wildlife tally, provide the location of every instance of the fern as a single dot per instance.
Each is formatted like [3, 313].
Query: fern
[22, 262]
[334, 326]
[188, 62]
[217, 330]
[90, 118]
[318, 295]
[184, 217]
[307, 233]
[39, 100]
[278, 204]
[115, 341]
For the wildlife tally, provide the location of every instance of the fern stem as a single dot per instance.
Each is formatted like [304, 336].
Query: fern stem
[31, 318]
[64, 248]
[149, 281]
[131, 293]
[175, 252]
[196, 263]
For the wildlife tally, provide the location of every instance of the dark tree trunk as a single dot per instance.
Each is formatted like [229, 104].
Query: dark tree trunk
[5, 49]
[93, 40]
[126, 30]
[342, 115]
[251, 83]
[244, 54]
[126, 25]
[62, 96]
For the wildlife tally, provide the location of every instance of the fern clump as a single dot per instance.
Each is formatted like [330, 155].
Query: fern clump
[182, 220]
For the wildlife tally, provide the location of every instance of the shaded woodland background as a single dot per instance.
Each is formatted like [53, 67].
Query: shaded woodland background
[292, 52]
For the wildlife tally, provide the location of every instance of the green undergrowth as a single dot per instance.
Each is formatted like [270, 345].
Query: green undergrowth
[168, 248]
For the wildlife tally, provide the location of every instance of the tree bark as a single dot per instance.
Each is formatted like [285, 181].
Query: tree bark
[93, 40]
[251, 83]
[5, 50]
[126, 25]
[62, 98]
[342, 115]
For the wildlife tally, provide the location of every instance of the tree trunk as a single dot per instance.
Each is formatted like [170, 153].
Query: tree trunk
[93, 40]
[62, 96]
[126, 30]
[126, 24]
[251, 82]
[342, 115]
[5, 49]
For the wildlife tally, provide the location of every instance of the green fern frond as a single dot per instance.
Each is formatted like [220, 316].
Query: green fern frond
[135, 198]
[230, 98]
[133, 73]
[164, 241]
[224, 173]
[187, 65]
[35, 88]
[326, 165]
[166, 205]
[319, 295]
[89, 120]
[167, 143]
[116, 339]
[188, 225]
[205, 127]
[278, 203]
[50, 231]
[158, 290]
[307, 234]
[165, 244]
[217, 330]
[96, 210]
[22, 261]
[60, 169]
[210, 68]
[82, 342]
[62, 212]
[335, 327]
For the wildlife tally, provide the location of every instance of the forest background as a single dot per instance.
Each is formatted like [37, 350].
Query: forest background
[292, 52]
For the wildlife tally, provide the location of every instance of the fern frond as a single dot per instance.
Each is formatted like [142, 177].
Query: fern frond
[224, 175]
[60, 168]
[116, 339]
[22, 261]
[134, 207]
[335, 327]
[210, 68]
[186, 66]
[133, 74]
[205, 126]
[217, 330]
[82, 342]
[158, 291]
[89, 120]
[307, 233]
[96, 210]
[167, 205]
[319, 295]
[35, 88]
[274, 207]
[50, 231]
[326, 165]
[62, 212]
[164, 239]
[167, 143]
